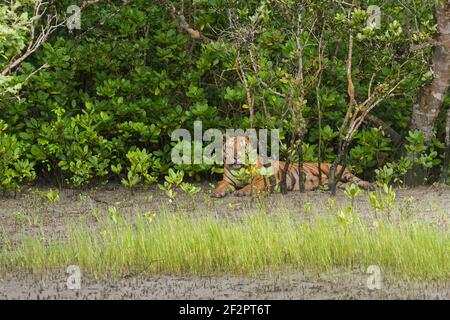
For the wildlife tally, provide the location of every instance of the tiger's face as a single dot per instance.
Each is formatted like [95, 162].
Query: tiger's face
[237, 152]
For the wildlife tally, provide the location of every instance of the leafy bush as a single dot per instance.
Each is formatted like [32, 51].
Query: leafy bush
[140, 163]
[14, 168]
[108, 100]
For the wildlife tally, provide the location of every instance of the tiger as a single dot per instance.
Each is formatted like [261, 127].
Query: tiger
[314, 177]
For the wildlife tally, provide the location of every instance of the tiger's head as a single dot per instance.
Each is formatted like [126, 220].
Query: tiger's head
[238, 152]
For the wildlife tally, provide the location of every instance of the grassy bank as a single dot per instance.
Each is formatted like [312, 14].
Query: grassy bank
[180, 244]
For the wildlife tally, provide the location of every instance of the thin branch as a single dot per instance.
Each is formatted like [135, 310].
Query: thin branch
[182, 22]
[36, 71]
[51, 26]
[255, 68]
[395, 137]
[351, 87]
[107, 18]
[243, 78]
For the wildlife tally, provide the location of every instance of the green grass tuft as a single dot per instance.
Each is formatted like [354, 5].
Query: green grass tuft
[179, 244]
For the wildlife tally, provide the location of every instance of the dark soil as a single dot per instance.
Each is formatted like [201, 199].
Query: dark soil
[292, 286]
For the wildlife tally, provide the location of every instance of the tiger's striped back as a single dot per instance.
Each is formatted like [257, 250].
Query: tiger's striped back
[313, 173]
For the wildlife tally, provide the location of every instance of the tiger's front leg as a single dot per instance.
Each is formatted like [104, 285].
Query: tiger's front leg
[257, 185]
[223, 189]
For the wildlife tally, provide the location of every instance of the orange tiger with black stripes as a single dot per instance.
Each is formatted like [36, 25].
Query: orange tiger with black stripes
[231, 183]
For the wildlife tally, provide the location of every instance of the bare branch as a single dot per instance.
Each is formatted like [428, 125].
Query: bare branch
[36, 42]
[255, 67]
[182, 22]
[243, 78]
[108, 17]
[395, 137]
[350, 88]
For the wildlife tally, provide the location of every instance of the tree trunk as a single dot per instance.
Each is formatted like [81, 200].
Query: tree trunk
[446, 164]
[431, 99]
[301, 172]
[334, 175]
[284, 171]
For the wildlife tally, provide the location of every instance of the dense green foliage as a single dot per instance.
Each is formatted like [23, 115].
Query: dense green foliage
[106, 102]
